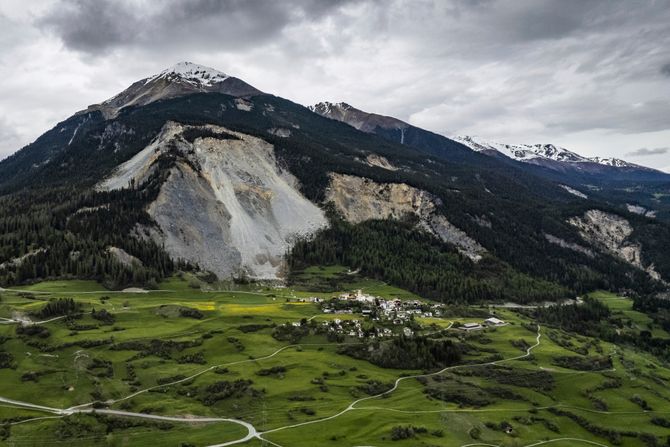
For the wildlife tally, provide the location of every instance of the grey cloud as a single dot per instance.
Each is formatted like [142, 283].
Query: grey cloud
[102, 25]
[517, 69]
[92, 26]
[9, 139]
[549, 19]
[644, 152]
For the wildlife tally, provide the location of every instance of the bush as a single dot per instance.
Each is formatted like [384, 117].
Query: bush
[583, 363]
[400, 432]
[187, 312]
[103, 316]
[277, 371]
[6, 360]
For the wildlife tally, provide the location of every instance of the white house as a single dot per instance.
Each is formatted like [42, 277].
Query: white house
[493, 321]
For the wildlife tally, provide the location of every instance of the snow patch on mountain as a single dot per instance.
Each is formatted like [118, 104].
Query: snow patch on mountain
[642, 211]
[191, 73]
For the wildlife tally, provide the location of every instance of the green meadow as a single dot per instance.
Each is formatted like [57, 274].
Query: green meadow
[166, 359]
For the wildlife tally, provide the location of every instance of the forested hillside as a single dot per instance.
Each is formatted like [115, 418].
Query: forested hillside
[65, 232]
[397, 252]
[48, 202]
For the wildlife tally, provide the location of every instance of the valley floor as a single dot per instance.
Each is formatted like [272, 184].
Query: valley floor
[259, 366]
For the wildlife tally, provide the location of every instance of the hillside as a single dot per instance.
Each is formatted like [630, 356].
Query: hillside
[230, 182]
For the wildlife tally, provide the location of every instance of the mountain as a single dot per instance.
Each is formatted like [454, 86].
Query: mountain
[613, 180]
[193, 169]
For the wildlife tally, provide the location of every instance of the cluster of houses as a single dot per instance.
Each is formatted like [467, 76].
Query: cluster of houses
[387, 311]
[353, 328]
[379, 309]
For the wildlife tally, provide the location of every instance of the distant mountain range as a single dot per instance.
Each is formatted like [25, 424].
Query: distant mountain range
[547, 155]
[539, 153]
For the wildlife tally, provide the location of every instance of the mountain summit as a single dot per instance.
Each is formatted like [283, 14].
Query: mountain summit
[198, 75]
[367, 122]
[540, 153]
[181, 79]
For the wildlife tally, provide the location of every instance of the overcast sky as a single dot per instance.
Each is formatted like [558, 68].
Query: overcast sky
[589, 75]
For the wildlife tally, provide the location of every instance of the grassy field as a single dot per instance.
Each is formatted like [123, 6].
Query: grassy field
[181, 352]
[623, 307]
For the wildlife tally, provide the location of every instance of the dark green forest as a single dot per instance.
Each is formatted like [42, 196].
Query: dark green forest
[396, 251]
[65, 234]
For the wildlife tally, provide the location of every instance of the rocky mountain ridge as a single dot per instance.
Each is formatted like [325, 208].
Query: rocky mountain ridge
[530, 153]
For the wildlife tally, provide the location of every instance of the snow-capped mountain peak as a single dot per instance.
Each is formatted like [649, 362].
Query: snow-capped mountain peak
[616, 162]
[191, 73]
[327, 108]
[183, 78]
[521, 152]
[538, 153]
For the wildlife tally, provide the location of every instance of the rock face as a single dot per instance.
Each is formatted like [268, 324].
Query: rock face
[380, 162]
[611, 234]
[570, 245]
[360, 199]
[226, 204]
[123, 257]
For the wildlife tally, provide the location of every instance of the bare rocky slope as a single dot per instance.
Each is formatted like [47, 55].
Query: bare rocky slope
[611, 233]
[226, 204]
[360, 199]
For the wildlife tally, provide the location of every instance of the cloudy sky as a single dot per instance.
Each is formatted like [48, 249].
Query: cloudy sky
[590, 75]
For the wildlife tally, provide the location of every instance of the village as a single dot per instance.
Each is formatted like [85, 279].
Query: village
[395, 316]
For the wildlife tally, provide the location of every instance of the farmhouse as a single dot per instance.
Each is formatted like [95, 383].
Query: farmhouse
[493, 321]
